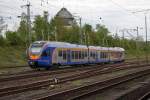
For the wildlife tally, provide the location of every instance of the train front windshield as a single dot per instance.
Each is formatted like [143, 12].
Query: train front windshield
[35, 50]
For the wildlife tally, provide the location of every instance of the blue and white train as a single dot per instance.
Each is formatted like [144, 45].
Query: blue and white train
[44, 54]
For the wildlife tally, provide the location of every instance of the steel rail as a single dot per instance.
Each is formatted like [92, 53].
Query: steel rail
[82, 91]
[43, 83]
[140, 93]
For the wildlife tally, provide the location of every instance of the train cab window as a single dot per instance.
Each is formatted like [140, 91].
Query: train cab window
[46, 53]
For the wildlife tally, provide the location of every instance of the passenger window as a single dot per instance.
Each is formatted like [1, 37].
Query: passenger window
[94, 55]
[79, 54]
[64, 55]
[99, 54]
[76, 54]
[91, 54]
[102, 55]
[60, 53]
[83, 55]
[72, 53]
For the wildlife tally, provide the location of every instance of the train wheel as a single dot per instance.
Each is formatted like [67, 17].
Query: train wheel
[55, 66]
[33, 67]
[47, 68]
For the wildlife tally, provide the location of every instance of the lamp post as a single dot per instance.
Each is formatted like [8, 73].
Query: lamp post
[146, 42]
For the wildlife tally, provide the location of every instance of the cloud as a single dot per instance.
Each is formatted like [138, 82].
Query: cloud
[115, 13]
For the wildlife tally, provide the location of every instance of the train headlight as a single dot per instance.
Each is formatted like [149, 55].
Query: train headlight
[34, 57]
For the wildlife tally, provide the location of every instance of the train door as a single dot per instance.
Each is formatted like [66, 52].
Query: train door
[62, 56]
[46, 58]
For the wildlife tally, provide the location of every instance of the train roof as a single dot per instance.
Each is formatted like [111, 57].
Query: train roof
[107, 48]
[69, 45]
[61, 44]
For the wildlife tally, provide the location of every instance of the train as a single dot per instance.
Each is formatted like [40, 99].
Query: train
[49, 54]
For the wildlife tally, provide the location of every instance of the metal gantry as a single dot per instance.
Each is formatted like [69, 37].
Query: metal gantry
[145, 11]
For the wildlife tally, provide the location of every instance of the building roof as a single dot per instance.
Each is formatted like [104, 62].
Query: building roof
[67, 17]
[64, 13]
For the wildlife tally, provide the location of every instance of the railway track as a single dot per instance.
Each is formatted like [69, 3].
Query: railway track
[140, 93]
[30, 74]
[89, 89]
[45, 73]
[146, 96]
[47, 82]
[33, 71]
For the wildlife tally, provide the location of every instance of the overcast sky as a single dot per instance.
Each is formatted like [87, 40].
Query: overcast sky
[115, 14]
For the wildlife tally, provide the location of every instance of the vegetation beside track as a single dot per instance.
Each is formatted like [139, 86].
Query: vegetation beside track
[12, 56]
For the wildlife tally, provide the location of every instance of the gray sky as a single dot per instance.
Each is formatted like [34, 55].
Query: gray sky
[115, 14]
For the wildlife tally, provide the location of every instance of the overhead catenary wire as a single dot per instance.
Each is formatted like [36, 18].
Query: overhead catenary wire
[123, 8]
[8, 7]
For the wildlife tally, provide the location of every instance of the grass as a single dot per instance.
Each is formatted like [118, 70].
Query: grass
[12, 56]
[133, 54]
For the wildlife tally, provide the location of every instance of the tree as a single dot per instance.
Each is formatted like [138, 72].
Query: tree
[3, 41]
[72, 34]
[2, 24]
[59, 29]
[102, 34]
[23, 32]
[13, 38]
[87, 29]
[41, 28]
